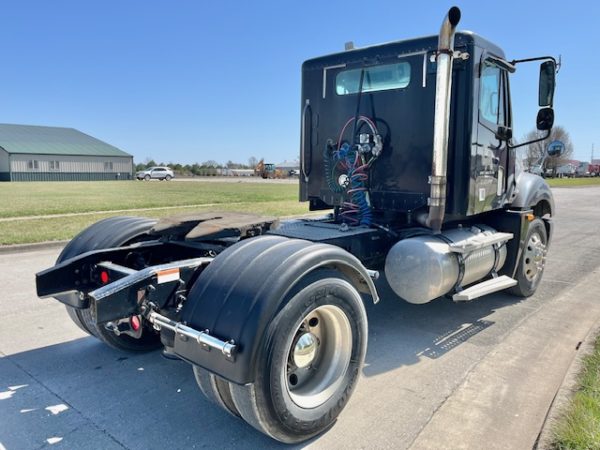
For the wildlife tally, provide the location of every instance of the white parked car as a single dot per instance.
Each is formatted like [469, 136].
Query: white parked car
[155, 173]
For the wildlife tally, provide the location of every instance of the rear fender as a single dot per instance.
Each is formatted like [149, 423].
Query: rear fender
[237, 296]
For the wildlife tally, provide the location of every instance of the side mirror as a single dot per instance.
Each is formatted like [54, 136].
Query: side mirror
[545, 119]
[547, 83]
[555, 148]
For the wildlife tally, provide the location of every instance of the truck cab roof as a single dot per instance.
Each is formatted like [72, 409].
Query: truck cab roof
[463, 39]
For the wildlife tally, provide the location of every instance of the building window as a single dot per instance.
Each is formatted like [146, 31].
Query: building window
[108, 166]
[54, 165]
[33, 164]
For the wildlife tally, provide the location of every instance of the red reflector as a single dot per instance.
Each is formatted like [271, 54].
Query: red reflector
[104, 277]
[135, 323]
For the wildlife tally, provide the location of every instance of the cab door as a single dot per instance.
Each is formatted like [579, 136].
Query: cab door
[491, 161]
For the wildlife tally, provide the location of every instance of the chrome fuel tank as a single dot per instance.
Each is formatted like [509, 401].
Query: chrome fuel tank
[422, 268]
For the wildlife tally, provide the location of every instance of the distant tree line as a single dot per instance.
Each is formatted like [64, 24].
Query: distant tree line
[206, 168]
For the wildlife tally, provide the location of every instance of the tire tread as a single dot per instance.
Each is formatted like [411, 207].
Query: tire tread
[216, 390]
[523, 288]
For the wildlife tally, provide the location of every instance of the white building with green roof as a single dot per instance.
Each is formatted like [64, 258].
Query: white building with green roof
[36, 153]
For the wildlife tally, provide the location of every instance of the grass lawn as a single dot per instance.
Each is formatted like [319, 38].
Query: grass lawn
[20, 200]
[572, 182]
[41, 198]
[580, 427]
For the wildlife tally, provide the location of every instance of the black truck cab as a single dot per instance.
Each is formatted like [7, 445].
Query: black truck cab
[398, 92]
[410, 144]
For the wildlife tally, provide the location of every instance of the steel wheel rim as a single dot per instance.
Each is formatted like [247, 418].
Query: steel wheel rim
[313, 374]
[534, 257]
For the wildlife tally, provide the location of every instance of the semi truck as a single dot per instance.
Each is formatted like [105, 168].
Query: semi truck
[593, 170]
[407, 149]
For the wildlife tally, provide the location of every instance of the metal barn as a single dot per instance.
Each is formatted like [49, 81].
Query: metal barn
[37, 153]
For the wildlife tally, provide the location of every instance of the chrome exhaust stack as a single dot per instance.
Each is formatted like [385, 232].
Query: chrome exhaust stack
[444, 58]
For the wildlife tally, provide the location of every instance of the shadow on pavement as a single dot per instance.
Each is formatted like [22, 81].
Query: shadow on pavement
[114, 399]
[87, 395]
[401, 333]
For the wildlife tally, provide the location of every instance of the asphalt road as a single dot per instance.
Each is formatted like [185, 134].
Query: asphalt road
[440, 375]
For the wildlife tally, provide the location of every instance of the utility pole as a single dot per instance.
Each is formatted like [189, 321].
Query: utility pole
[592, 160]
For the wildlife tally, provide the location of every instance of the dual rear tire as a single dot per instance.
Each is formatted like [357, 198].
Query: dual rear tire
[109, 233]
[309, 365]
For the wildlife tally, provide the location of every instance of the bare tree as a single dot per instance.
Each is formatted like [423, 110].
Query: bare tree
[210, 163]
[252, 162]
[536, 150]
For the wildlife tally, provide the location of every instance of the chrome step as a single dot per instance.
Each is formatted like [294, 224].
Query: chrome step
[484, 288]
[479, 241]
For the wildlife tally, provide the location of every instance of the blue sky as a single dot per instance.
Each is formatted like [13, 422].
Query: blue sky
[191, 81]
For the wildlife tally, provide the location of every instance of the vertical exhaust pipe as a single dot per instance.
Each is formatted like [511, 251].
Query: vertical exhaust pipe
[443, 90]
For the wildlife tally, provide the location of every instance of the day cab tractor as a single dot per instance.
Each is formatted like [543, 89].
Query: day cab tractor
[408, 145]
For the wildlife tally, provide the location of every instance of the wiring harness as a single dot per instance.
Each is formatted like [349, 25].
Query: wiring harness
[347, 170]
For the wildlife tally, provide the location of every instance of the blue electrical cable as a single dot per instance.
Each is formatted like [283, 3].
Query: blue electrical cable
[358, 210]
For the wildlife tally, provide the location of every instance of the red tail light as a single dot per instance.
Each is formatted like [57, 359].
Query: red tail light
[135, 323]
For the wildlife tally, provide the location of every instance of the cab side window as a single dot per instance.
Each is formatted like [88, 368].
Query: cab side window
[491, 94]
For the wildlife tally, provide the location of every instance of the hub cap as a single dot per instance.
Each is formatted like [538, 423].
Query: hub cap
[534, 257]
[318, 357]
[305, 350]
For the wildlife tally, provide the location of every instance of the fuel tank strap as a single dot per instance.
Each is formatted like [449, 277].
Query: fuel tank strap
[460, 258]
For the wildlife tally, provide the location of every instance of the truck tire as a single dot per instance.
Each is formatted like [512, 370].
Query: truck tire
[314, 350]
[533, 258]
[72, 312]
[215, 389]
[107, 233]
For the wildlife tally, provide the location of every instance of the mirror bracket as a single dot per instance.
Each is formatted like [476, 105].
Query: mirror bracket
[503, 133]
[532, 142]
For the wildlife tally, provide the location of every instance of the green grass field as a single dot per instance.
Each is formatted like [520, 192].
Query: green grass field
[573, 182]
[37, 212]
[580, 426]
[23, 205]
[32, 199]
